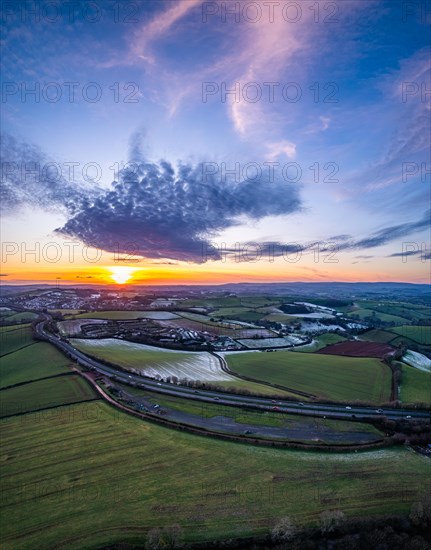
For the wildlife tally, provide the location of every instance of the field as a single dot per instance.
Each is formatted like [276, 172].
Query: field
[217, 329]
[115, 315]
[358, 349]
[415, 386]
[417, 360]
[43, 394]
[91, 477]
[419, 334]
[320, 342]
[10, 316]
[155, 362]
[270, 342]
[31, 363]
[12, 339]
[376, 335]
[73, 328]
[362, 314]
[407, 311]
[158, 362]
[327, 376]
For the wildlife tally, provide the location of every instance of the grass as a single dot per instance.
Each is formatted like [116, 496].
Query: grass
[45, 393]
[379, 336]
[321, 342]
[93, 477]
[384, 317]
[31, 363]
[415, 386]
[10, 328]
[246, 416]
[419, 334]
[139, 358]
[14, 339]
[327, 376]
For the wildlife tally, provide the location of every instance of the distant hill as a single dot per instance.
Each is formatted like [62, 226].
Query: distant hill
[384, 290]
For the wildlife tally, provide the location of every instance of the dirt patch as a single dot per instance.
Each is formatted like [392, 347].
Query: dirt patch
[358, 349]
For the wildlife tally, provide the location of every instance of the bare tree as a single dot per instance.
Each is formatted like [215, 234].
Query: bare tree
[168, 538]
[284, 530]
[330, 520]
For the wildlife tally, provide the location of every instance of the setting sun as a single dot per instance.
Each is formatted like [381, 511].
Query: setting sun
[122, 274]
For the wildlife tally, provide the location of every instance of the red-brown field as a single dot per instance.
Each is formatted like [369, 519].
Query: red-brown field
[358, 349]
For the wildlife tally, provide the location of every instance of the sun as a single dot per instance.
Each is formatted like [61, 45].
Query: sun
[121, 274]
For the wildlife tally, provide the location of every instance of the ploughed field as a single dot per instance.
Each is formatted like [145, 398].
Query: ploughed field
[331, 377]
[358, 349]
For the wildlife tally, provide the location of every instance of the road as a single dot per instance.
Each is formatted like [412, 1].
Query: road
[259, 403]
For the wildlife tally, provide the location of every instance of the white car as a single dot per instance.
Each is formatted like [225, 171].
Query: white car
[349, 408]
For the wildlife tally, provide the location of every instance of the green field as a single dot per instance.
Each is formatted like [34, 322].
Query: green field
[10, 316]
[385, 317]
[419, 334]
[31, 363]
[321, 342]
[10, 328]
[415, 386]
[44, 394]
[377, 335]
[93, 477]
[406, 311]
[12, 339]
[327, 376]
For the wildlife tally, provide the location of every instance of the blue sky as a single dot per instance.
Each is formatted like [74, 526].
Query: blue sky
[349, 64]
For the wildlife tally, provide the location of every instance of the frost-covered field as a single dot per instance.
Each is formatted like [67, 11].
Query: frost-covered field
[316, 315]
[272, 342]
[417, 360]
[155, 362]
[73, 328]
[159, 315]
[318, 327]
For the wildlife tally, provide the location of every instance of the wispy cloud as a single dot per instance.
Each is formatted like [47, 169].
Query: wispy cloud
[281, 148]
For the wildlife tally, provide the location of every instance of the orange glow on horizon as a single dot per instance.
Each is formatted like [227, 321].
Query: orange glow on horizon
[121, 274]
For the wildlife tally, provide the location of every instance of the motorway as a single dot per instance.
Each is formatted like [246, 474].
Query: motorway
[259, 403]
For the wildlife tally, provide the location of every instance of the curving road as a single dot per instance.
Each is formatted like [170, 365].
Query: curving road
[260, 403]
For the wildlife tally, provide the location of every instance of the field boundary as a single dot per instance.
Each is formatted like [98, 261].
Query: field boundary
[18, 349]
[226, 369]
[50, 407]
[67, 373]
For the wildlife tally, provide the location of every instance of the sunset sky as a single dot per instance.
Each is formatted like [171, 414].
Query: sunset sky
[284, 141]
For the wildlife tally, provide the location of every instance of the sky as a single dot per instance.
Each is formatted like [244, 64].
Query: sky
[212, 142]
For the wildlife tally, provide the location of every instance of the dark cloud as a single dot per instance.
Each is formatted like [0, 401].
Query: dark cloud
[30, 178]
[158, 211]
[364, 257]
[154, 210]
[407, 253]
[4, 274]
[340, 237]
[388, 234]
[87, 277]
